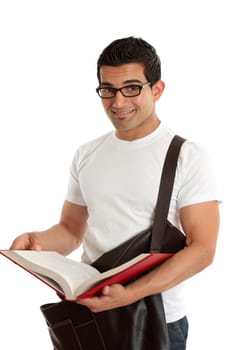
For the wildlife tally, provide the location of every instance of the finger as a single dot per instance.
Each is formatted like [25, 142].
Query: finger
[20, 243]
[36, 247]
[105, 290]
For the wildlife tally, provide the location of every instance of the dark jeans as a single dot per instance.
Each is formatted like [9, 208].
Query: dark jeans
[178, 333]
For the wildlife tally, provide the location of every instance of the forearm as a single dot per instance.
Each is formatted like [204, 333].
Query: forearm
[58, 238]
[180, 267]
[175, 270]
[201, 224]
[64, 237]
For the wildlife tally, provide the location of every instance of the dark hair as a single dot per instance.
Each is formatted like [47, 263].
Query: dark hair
[131, 50]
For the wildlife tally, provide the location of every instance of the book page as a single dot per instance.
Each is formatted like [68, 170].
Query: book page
[74, 279]
[109, 273]
[126, 272]
[67, 273]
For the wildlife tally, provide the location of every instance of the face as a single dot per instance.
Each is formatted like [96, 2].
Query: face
[132, 117]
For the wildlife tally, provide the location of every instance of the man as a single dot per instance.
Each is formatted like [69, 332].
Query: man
[114, 184]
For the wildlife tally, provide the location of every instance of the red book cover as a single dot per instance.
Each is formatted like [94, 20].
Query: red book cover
[60, 273]
[126, 275]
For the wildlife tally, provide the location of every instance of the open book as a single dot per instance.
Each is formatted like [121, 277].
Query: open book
[76, 280]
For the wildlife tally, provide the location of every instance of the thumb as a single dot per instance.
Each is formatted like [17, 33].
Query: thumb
[34, 243]
[36, 246]
[105, 291]
[26, 241]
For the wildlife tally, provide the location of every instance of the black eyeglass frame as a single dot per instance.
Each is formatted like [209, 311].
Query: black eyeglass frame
[115, 90]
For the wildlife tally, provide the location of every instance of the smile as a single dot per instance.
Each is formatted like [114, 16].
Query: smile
[123, 114]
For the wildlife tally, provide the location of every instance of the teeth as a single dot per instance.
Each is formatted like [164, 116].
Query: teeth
[123, 113]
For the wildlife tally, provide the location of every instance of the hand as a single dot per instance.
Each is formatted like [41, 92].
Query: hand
[111, 297]
[26, 241]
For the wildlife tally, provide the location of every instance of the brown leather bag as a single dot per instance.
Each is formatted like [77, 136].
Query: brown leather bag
[141, 325]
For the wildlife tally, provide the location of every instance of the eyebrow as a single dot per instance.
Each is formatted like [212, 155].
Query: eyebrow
[129, 81]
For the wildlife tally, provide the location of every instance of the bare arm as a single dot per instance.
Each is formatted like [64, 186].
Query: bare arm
[201, 225]
[63, 237]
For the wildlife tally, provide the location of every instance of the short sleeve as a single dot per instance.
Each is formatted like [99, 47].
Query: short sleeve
[196, 176]
[74, 193]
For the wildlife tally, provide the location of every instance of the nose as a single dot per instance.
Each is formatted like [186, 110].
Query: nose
[119, 99]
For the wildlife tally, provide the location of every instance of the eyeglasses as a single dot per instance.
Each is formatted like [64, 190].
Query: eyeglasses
[127, 91]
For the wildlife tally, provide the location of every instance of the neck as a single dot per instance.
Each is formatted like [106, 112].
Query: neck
[137, 133]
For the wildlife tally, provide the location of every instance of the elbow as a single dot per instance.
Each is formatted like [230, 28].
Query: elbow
[208, 257]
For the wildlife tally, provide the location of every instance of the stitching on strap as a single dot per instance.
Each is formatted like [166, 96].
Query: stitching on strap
[100, 335]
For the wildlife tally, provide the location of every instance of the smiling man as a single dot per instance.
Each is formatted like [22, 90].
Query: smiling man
[114, 182]
[131, 111]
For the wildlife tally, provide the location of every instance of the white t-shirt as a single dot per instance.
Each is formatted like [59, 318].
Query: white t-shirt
[118, 181]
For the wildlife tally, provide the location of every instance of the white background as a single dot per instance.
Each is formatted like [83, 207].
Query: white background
[48, 107]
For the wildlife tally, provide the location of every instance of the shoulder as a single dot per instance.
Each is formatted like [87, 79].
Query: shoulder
[193, 153]
[95, 143]
[194, 162]
[85, 150]
[196, 177]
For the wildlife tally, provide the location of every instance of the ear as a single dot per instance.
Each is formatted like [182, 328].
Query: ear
[157, 89]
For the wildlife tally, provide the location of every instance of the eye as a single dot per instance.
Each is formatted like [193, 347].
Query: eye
[131, 88]
[107, 90]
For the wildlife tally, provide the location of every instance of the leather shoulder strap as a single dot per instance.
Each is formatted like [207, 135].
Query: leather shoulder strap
[165, 192]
